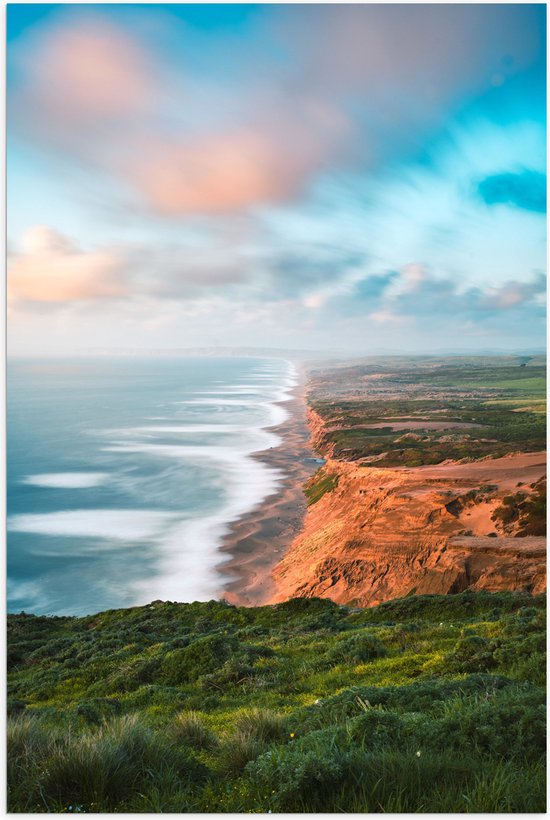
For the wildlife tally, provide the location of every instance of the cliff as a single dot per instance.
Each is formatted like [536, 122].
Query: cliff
[378, 534]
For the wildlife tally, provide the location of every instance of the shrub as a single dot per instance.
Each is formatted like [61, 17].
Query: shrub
[293, 780]
[524, 658]
[261, 725]
[471, 653]
[357, 648]
[234, 671]
[15, 706]
[100, 767]
[509, 724]
[236, 750]
[426, 695]
[189, 728]
[199, 658]
[253, 730]
[376, 728]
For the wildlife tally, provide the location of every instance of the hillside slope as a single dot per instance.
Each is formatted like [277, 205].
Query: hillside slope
[429, 703]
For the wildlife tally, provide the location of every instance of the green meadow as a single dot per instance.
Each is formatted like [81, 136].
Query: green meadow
[424, 704]
[492, 407]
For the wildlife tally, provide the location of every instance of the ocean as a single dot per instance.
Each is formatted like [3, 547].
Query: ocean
[124, 475]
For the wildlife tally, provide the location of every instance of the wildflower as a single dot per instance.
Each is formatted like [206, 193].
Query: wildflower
[418, 754]
[317, 702]
[292, 734]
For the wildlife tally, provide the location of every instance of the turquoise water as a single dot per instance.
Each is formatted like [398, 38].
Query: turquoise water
[123, 475]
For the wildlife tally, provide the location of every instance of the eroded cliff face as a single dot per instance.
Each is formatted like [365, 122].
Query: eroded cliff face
[317, 429]
[386, 533]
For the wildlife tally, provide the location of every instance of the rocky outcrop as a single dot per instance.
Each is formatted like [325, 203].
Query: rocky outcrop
[387, 533]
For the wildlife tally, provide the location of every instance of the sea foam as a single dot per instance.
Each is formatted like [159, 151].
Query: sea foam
[135, 525]
[66, 481]
[175, 468]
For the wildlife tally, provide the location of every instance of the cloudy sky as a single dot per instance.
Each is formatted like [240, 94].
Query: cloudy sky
[359, 177]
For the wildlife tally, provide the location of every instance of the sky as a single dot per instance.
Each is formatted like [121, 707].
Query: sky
[360, 177]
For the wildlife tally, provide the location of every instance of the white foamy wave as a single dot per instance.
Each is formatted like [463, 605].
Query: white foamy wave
[276, 414]
[66, 481]
[259, 440]
[168, 429]
[245, 391]
[189, 551]
[221, 402]
[136, 525]
[191, 428]
[206, 486]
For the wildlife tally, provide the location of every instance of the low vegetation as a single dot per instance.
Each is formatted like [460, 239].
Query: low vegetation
[319, 484]
[523, 513]
[455, 408]
[423, 704]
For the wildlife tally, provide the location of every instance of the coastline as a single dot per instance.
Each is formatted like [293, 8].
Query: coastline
[259, 540]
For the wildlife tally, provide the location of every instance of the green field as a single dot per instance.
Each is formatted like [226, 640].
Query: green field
[498, 405]
[422, 704]
[532, 386]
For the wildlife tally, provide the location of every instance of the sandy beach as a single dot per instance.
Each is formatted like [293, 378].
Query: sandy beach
[260, 539]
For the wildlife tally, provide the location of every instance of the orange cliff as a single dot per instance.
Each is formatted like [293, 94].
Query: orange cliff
[387, 533]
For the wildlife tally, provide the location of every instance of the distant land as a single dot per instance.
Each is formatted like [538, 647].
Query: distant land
[295, 354]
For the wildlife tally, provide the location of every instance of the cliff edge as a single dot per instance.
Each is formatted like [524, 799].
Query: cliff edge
[374, 533]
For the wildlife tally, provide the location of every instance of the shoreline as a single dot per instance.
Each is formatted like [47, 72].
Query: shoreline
[259, 540]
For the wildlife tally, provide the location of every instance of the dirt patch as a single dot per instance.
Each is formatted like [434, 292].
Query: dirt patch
[418, 425]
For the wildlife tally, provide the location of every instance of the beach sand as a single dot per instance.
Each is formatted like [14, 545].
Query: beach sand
[259, 540]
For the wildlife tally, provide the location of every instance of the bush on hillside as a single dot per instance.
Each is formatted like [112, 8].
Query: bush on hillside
[357, 648]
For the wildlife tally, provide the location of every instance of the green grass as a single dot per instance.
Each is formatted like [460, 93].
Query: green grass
[428, 703]
[535, 386]
[497, 403]
[319, 484]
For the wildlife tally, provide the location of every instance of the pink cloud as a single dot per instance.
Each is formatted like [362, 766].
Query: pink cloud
[386, 317]
[514, 294]
[50, 269]
[80, 75]
[267, 161]
[91, 89]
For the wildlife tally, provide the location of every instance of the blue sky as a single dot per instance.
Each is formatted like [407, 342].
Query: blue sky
[358, 177]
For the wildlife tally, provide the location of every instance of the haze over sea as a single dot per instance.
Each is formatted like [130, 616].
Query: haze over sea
[124, 475]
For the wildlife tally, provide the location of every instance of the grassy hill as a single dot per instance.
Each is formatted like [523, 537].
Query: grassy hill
[428, 703]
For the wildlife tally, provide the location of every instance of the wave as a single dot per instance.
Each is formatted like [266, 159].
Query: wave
[177, 479]
[66, 481]
[124, 525]
[190, 562]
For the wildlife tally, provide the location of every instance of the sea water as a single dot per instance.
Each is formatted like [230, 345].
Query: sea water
[125, 475]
